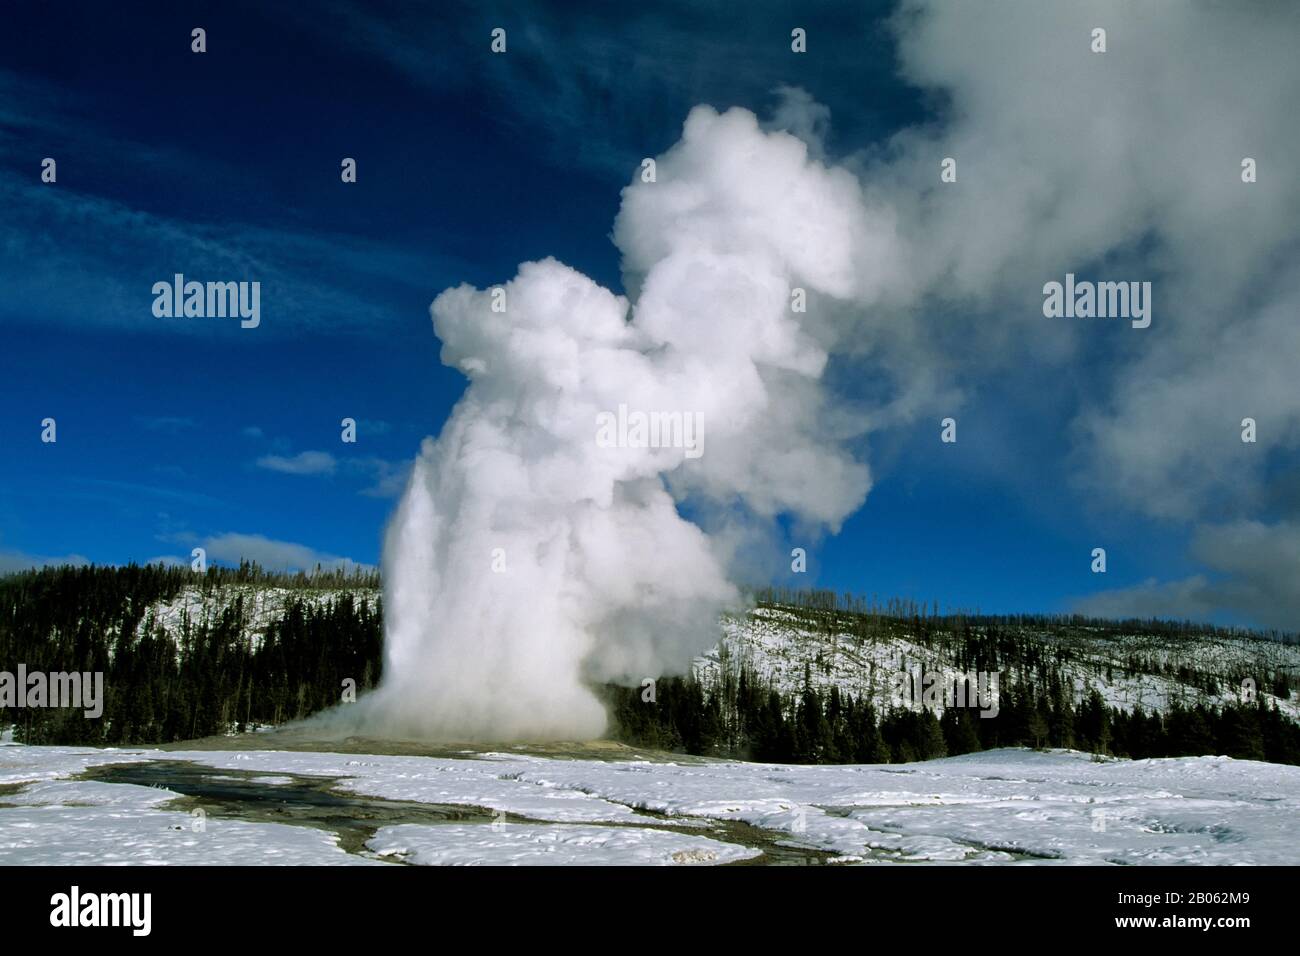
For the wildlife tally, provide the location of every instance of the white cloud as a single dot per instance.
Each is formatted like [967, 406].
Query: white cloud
[387, 478]
[232, 547]
[1255, 578]
[1127, 165]
[11, 561]
[303, 463]
[1128, 162]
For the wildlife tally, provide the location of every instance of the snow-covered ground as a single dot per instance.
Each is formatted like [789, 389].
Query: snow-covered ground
[84, 823]
[1005, 806]
[530, 844]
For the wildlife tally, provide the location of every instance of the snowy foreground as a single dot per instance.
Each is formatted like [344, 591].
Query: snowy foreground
[1006, 806]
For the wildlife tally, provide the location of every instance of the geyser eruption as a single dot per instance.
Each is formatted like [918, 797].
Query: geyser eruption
[528, 557]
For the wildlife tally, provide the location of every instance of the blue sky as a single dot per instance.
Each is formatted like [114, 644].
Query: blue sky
[175, 433]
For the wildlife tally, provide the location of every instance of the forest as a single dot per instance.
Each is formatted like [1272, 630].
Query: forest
[219, 675]
[207, 678]
[743, 720]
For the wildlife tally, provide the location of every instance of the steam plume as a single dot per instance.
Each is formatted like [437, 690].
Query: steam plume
[930, 286]
[525, 560]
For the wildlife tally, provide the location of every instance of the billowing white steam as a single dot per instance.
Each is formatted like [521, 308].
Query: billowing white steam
[928, 286]
[525, 559]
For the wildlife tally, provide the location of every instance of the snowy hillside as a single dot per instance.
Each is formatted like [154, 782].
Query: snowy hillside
[777, 643]
[188, 656]
[261, 606]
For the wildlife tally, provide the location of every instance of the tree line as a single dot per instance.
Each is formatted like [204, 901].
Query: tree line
[220, 674]
[835, 606]
[205, 677]
[743, 719]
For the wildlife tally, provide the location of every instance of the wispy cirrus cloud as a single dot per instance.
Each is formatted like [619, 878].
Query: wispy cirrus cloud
[73, 256]
[65, 250]
[385, 479]
[182, 495]
[579, 73]
[388, 478]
